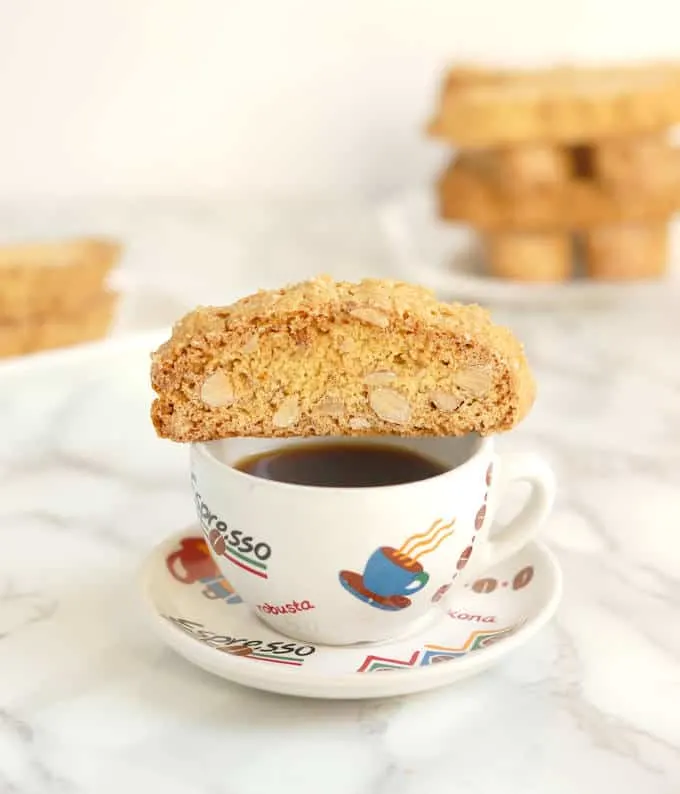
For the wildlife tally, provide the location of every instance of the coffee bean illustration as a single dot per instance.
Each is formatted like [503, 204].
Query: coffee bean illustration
[217, 541]
[523, 577]
[463, 559]
[486, 585]
[236, 650]
[443, 590]
[479, 518]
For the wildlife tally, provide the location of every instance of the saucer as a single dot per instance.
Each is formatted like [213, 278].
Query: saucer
[196, 612]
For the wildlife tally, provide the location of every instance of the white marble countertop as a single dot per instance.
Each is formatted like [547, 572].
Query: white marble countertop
[91, 702]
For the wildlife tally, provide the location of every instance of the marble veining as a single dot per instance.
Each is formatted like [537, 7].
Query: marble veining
[90, 701]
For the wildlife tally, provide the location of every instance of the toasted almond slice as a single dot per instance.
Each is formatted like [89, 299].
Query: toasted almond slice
[287, 414]
[446, 402]
[390, 406]
[347, 345]
[382, 377]
[217, 390]
[330, 406]
[476, 381]
[251, 345]
[368, 314]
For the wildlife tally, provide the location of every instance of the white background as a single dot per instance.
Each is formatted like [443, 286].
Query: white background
[277, 97]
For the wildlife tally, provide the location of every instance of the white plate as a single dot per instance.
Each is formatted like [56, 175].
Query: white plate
[197, 613]
[446, 258]
[78, 356]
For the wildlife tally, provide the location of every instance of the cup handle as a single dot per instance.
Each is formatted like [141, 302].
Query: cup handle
[420, 580]
[182, 575]
[520, 467]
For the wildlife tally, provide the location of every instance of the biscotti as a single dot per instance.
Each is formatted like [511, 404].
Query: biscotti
[530, 256]
[322, 358]
[626, 252]
[55, 294]
[633, 165]
[532, 167]
[44, 280]
[488, 108]
[22, 336]
[469, 191]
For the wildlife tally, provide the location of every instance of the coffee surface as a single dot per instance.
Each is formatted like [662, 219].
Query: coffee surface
[341, 465]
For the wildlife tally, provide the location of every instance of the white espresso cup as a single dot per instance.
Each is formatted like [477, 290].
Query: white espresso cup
[347, 565]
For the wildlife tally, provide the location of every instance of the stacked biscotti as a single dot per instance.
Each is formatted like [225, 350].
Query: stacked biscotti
[563, 160]
[54, 294]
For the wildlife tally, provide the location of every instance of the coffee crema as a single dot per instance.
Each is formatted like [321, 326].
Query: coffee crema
[333, 465]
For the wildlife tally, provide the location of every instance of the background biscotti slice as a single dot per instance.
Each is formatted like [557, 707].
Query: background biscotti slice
[530, 256]
[30, 335]
[45, 280]
[326, 358]
[470, 191]
[637, 164]
[532, 167]
[626, 252]
[562, 104]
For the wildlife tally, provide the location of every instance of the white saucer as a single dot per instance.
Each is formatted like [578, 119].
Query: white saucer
[196, 612]
[446, 257]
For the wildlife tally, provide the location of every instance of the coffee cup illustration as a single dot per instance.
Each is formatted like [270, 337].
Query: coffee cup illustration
[391, 575]
[192, 562]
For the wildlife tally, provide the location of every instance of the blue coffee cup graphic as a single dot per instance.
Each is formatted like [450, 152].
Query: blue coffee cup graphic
[390, 573]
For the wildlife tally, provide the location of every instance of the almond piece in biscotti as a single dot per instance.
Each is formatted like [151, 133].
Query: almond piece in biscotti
[329, 406]
[372, 316]
[445, 401]
[382, 377]
[250, 346]
[287, 414]
[217, 391]
[475, 381]
[390, 406]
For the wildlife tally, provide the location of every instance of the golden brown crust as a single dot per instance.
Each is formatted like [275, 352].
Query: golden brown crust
[327, 358]
[532, 167]
[471, 191]
[36, 334]
[629, 165]
[618, 253]
[530, 256]
[489, 108]
[43, 280]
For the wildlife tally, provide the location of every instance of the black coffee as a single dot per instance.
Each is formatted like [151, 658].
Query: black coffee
[341, 465]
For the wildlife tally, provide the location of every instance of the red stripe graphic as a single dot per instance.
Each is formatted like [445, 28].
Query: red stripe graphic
[269, 659]
[261, 574]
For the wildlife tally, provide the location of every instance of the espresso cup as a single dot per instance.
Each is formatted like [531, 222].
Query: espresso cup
[348, 565]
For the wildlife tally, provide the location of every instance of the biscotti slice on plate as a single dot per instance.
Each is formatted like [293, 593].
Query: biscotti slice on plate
[488, 108]
[322, 358]
[53, 279]
[32, 335]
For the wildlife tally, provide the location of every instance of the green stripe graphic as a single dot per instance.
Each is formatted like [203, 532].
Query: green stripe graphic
[256, 563]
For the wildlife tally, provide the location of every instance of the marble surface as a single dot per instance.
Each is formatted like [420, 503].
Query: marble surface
[91, 702]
